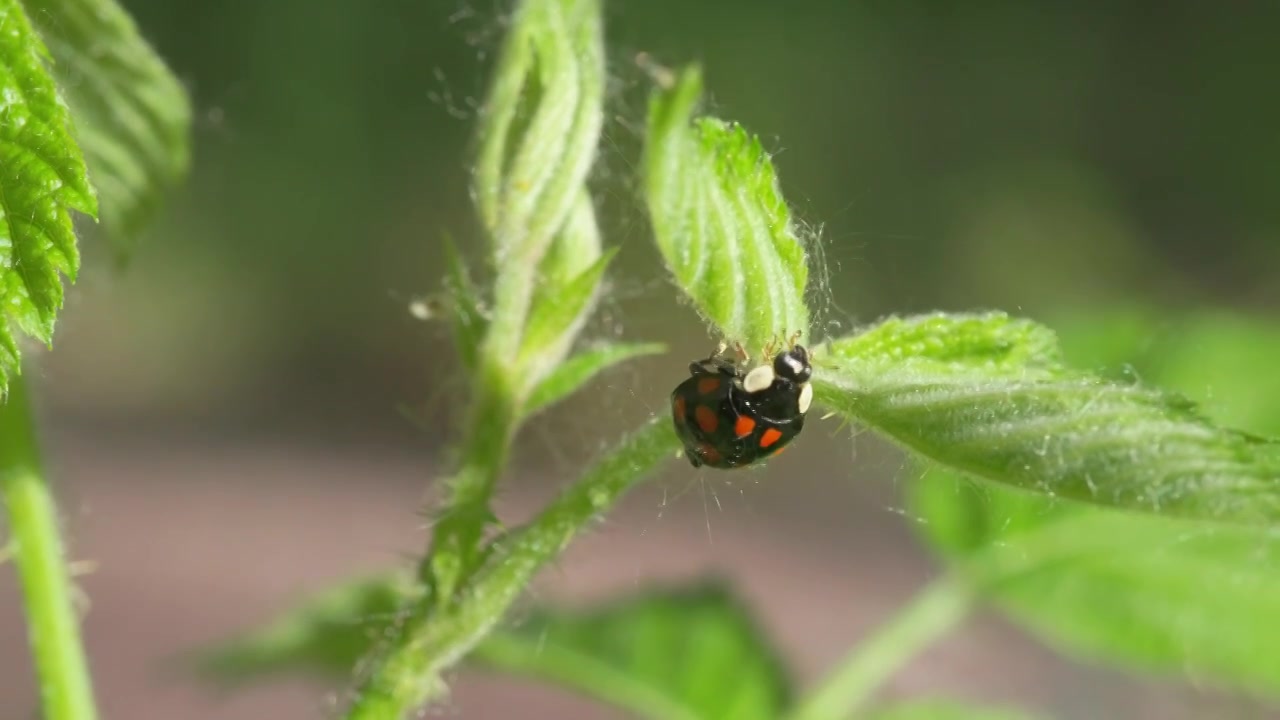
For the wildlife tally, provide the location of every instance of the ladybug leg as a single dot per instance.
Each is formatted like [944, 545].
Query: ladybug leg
[767, 351]
[795, 338]
[743, 355]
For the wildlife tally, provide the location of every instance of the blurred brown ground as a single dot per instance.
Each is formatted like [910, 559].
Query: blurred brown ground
[197, 539]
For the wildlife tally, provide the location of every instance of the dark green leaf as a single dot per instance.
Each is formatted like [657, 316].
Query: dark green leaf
[989, 396]
[578, 370]
[1159, 594]
[720, 220]
[132, 117]
[42, 179]
[671, 655]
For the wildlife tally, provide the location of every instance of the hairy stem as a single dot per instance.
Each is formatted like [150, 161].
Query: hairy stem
[429, 642]
[456, 540]
[66, 692]
[933, 612]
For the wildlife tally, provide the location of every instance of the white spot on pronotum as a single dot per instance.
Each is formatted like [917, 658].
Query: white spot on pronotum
[794, 364]
[759, 379]
[806, 398]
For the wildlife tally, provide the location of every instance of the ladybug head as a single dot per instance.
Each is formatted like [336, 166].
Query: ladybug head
[793, 365]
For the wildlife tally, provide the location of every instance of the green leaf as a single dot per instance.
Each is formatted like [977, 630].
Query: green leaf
[683, 654]
[678, 653]
[937, 709]
[469, 322]
[720, 220]
[132, 117]
[327, 634]
[539, 130]
[571, 276]
[42, 181]
[1158, 594]
[578, 370]
[989, 396]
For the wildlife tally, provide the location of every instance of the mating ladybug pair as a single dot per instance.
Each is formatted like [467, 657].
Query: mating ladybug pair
[728, 417]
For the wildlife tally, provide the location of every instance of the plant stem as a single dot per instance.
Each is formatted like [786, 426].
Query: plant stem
[428, 643]
[933, 612]
[456, 540]
[66, 692]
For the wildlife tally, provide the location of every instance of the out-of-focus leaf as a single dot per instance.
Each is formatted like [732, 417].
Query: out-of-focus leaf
[42, 179]
[1158, 594]
[327, 634]
[132, 117]
[672, 654]
[947, 710]
[720, 220]
[578, 370]
[669, 655]
[989, 396]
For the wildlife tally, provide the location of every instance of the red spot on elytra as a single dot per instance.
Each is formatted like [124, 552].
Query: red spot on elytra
[706, 418]
[770, 436]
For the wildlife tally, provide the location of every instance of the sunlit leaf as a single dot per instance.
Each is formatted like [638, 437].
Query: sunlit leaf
[720, 220]
[670, 655]
[132, 117]
[42, 179]
[579, 369]
[989, 396]
[1167, 595]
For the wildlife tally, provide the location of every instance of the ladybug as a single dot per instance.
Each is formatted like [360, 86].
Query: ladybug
[729, 418]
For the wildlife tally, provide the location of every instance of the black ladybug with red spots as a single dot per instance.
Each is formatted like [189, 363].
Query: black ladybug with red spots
[728, 417]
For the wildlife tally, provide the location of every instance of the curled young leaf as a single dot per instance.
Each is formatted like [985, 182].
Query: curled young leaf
[720, 220]
[570, 277]
[538, 136]
[132, 117]
[42, 182]
[988, 396]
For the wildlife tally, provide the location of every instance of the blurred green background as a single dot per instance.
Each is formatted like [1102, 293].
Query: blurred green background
[1032, 157]
[228, 414]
